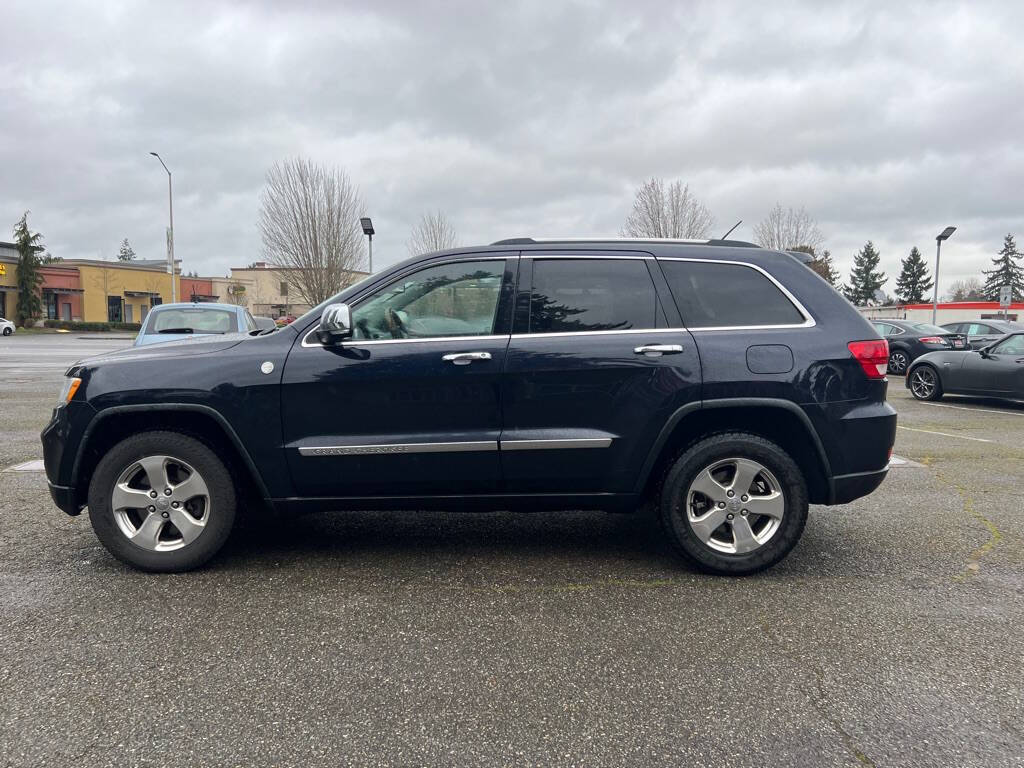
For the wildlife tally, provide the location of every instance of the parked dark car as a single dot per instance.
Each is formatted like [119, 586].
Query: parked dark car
[909, 340]
[981, 333]
[993, 371]
[727, 383]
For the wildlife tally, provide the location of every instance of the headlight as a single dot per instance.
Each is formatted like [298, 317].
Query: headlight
[71, 384]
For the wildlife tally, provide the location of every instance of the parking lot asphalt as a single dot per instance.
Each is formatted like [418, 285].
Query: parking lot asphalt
[891, 635]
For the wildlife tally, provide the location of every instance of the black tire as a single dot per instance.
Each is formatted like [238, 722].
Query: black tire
[707, 453]
[219, 519]
[898, 362]
[8, 331]
[919, 378]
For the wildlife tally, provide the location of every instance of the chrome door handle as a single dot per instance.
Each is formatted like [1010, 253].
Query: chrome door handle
[657, 350]
[465, 358]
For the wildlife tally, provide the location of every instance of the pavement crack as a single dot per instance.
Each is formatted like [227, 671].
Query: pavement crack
[819, 698]
[994, 534]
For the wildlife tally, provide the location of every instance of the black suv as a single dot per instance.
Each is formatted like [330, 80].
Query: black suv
[727, 383]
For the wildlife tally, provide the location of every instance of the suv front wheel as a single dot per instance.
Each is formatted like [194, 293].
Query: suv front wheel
[162, 501]
[734, 504]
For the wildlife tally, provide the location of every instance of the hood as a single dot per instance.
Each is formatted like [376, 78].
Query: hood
[186, 347]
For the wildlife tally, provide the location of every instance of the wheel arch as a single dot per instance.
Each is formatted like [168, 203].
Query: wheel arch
[111, 425]
[780, 421]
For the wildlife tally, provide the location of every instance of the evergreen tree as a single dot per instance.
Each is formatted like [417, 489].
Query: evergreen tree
[29, 244]
[1008, 271]
[126, 253]
[826, 267]
[913, 284]
[822, 264]
[865, 279]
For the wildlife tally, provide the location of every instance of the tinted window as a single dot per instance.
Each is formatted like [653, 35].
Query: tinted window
[713, 295]
[457, 299]
[591, 295]
[928, 328]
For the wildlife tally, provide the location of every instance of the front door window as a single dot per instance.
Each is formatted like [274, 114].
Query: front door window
[456, 299]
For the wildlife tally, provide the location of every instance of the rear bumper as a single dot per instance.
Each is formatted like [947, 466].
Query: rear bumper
[847, 488]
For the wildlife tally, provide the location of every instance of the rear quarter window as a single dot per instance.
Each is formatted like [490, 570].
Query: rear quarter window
[719, 295]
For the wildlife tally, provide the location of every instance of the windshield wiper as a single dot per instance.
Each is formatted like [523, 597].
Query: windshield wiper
[176, 330]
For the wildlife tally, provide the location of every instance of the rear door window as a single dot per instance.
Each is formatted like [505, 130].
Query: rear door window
[721, 295]
[575, 295]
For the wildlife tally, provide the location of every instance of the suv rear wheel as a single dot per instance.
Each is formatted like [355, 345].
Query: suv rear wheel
[734, 504]
[162, 501]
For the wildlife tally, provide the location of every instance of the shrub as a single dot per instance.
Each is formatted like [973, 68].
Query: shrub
[76, 325]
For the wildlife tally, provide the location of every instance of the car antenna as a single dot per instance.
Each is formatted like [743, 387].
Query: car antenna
[730, 231]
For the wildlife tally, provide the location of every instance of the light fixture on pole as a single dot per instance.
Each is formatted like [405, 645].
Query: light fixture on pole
[170, 234]
[944, 235]
[367, 226]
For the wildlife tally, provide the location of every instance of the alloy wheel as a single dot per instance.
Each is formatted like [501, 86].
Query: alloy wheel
[898, 363]
[735, 505]
[160, 503]
[922, 383]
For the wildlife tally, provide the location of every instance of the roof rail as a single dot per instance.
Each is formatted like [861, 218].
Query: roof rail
[554, 240]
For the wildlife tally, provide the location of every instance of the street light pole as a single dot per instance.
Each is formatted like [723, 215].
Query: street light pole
[367, 226]
[943, 235]
[170, 245]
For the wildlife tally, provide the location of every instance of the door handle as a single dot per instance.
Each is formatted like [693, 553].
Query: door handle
[657, 350]
[465, 358]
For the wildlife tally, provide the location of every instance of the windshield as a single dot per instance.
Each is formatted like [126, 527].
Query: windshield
[929, 328]
[192, 320]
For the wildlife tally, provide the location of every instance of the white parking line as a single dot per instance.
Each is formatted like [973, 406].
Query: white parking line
[944, 434]
[36, 465]
[978, 410]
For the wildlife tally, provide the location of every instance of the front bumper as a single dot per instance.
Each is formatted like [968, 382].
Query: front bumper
[65, 498]
[61, 440]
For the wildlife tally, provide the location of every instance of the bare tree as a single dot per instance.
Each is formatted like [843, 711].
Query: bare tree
[968, 289]
[789, 228]
[671, 210]
[433, 233]
[309, 220]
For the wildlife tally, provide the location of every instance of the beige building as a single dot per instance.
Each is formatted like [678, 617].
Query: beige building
[263, 289]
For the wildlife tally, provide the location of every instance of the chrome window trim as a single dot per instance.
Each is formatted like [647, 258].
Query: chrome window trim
[556, 443]
[808, 322]
[374, 342]
[385, 448]
[596, 333]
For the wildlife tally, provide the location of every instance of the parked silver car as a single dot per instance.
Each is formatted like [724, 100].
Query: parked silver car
[981, 333]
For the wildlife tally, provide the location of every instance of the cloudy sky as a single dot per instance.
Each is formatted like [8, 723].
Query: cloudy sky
[887, 121]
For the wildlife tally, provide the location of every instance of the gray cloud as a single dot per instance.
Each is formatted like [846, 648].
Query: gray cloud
[886, 121]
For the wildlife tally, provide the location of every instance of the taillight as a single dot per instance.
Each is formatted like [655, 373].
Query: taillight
[933, 340]
[873, 356]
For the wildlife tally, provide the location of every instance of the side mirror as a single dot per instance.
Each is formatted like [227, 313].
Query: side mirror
[335, 324]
